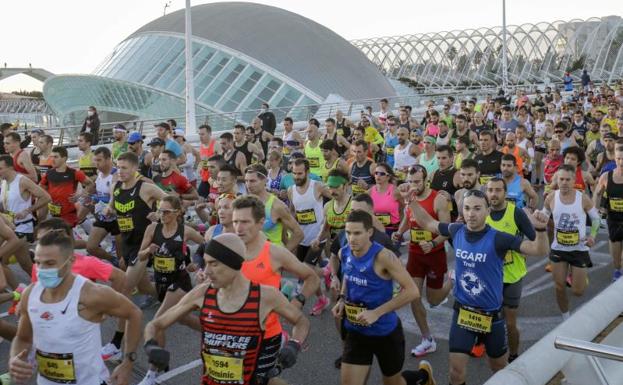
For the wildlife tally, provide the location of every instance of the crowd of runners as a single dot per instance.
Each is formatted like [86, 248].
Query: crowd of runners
[233, 236]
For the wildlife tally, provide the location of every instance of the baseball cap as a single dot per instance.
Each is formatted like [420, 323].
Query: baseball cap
[156, 142]
[179, 132]
[135, 137]
[37, 131]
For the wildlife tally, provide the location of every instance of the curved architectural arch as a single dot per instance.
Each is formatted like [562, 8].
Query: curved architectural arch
[536, 53]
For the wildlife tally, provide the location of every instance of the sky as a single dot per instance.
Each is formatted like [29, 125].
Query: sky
[74, 36]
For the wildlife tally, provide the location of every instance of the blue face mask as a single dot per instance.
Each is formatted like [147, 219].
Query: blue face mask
[49, 277]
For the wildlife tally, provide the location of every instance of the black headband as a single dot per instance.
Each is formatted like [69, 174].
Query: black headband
[223, 254]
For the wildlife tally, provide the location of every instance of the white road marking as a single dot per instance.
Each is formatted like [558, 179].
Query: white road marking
[177, 371]
[5, 314]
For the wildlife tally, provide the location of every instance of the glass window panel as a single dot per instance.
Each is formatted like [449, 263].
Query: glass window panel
[223, 83]
[240, 89]
[214, 68]
[153, 57]
[166, 61]
[122, 57]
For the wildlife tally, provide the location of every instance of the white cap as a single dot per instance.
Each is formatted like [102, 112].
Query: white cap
[179, 132]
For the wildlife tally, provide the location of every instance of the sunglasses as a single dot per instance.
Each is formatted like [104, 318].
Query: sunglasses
[166, 211]
[558, 132]
[416, 168]
[380, 173]
[391, 124]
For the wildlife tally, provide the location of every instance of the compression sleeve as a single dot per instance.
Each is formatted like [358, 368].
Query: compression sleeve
[595, 221]
[524, 224]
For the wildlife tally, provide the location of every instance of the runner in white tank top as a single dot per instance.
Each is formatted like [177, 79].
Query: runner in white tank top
[309, 211]
[13, 202]
[569, 224]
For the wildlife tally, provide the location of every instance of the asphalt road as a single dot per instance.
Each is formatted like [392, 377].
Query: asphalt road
[538, 315]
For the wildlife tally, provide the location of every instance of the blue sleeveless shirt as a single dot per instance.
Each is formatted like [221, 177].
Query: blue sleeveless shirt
[515, 193]
[364, 288]
[479, 271]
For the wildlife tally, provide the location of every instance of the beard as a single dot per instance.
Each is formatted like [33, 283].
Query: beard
[468, 184]
[300, 182]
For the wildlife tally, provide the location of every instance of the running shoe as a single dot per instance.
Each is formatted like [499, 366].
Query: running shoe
[478, 350]
[548, 267]
[150, 378]
[616, 275]
[321, 304]
[428, 368]
[110, 352]
[427, 346]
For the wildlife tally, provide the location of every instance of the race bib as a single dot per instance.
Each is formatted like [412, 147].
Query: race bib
[418, 235]
[508, 258]
[10, 216]
[126, 224]
[352, 311]
[223, 369]
[314, 162]
[473, 321]
[567, 237]
[390, 150]
[164, 264]
[385, 219]
[54, 209]
[56, 367]
[485, 178]
[358, 189]
[306, 217]
[340, 132]
[616, 204]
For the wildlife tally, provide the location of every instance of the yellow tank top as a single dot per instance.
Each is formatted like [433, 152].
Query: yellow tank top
[514, 262]
[315, 158]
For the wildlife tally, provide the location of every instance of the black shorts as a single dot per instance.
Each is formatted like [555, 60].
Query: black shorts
[462, 340]
[512, 294]
[309, 256]
[389, 350]
[130, 253]
[574, 258]
[29, 237]
[267, 358]
[110, 227]
[615, 231]
[181, 282]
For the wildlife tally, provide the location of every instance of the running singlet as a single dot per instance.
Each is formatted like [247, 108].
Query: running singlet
[170, 261]
[231, 342]
[365, 290]
[361, 173]
[514, 262]
[415, 230]
[569, 224]
[260, 270]
[272, 230]
[488, 165]
[132, 213]
[60, 186]
[391, 141]
[444, 180]
[315, 158]
[335, 220]
[205, 152]
[614, 194]
[13, 202]
[386, 208]
[66, 346]
[243, 149]
[580, 185]
[515, 193]
[86, 165]
[479, 280]
[309, 212]
[18, 167]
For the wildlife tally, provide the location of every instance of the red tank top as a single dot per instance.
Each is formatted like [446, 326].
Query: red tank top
[231, 341]
[17, 166]
[205, 153]
[417, 233]
[579, 180]
[260, 270]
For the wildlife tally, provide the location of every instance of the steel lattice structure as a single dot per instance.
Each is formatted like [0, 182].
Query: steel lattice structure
[536, 53]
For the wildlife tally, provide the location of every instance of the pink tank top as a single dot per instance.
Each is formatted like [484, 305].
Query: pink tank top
[386, 208]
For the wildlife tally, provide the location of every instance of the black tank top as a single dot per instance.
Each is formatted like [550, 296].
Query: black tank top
[132, 213]
[245, 150]
[405, 125]
[361, 173]
[264, 143]
[232, 159]
[444, 180]
[144, 169]
[171, 258]
[614, 192]
[343, 129]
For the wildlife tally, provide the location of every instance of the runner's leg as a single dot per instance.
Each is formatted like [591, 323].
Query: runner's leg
[578, 280]
[93, 244]
[458, 368]
[559, 274]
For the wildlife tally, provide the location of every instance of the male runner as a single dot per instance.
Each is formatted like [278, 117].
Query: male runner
[280, 227]
[569, 208]
[234, 314]
[470, 178]
[522, 159]
[59, 322]
[332, 160]
[509, 218]
[312, 150]
[479, 253]
[445, 177]
[21, 158]
[405, 154]
[362, 169]
[120, 145]
[172, 181]
[611, 183]
[44, 159]
[368, 306]
[135, 145]
[489, 159]
[208, 147]
[232, 155]
[292, 139]
[85, 161]
[427, 256]
[518, 189]
[242, 145]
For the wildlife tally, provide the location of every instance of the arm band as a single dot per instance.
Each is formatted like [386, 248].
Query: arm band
[546, 212]
[593, 214]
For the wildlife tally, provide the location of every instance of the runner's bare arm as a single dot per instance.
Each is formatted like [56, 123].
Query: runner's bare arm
[42, 198]
[190, 302]
[117, 280]
[24, 160]
[273, 300]
[9, 242]
[599, 189]
[281, 258]
[423, 218]
[19, 367]
[540, 246]
[533, 198]
[289, 224]
[441, 206]
[147, 249]
[191, 234]
[151, 193]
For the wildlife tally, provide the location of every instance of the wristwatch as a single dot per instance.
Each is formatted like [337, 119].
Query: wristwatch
[301, 298]
[131, 356]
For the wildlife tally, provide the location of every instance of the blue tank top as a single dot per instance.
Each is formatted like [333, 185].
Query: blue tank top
[479, 269]
[218, 230]
[390, 145]
[365, 289]
[515, 193]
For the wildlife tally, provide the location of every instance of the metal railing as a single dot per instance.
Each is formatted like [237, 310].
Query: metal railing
[589, 348]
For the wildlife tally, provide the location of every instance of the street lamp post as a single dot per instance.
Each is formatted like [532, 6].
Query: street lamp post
[190, 86]
[504, 53]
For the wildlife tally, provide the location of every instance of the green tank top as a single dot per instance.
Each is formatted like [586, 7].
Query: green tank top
[514, 262]
[86, 165]
[118, 149]
[272, 230]
[324, 170]
[315, 158]
[335, 220]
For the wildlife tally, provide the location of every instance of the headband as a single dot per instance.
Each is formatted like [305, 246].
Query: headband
[224, 254]
[336, 180]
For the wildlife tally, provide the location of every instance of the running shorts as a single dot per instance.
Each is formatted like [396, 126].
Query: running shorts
[431, 266]
[512, 294]
[389, 350]
[574, 258]
[463, 340]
